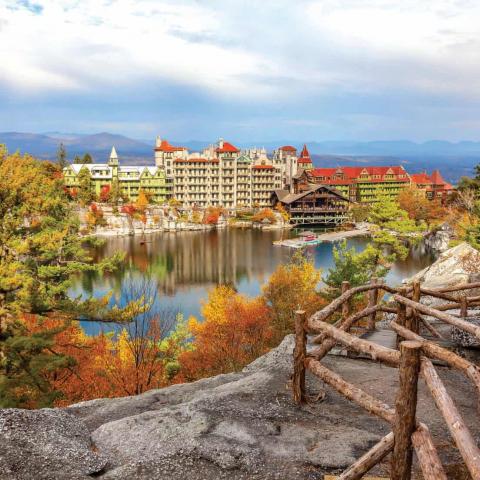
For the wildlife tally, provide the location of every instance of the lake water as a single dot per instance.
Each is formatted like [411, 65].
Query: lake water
[184, 266]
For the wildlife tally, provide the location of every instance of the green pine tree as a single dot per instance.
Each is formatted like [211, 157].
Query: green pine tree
[40, 250]
[62, 157]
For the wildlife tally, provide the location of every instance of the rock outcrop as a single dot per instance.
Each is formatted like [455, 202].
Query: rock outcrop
[236, 426]
[439, 239]
[454, 266]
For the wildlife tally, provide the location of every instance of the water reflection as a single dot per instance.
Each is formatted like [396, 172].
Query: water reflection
[185, 265]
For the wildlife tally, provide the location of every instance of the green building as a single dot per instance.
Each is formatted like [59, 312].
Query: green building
[129, 180]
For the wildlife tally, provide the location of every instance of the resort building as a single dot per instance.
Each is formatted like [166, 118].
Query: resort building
[434, 185]
[129, 180]
[358, 184]
[319, 204]
[222, 175]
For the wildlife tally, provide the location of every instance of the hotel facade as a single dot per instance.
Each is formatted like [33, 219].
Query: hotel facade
[223, 175]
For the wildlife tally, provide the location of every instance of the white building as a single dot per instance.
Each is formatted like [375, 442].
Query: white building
[224, 176]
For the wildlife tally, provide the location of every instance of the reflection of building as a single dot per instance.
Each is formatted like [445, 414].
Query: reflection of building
[129, 180]
[185, 260]
[359, 184]
[317, 205]
[434, 185]
[224, 176]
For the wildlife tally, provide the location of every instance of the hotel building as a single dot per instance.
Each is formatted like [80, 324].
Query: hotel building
[223, 175]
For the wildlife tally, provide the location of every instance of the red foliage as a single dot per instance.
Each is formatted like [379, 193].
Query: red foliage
[105, 193]
[129, 209]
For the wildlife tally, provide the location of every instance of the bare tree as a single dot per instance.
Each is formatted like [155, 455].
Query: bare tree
[144, 336]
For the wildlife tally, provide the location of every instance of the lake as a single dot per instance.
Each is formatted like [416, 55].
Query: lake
[184, 266]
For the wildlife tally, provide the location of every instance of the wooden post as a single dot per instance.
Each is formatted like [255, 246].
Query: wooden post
[299, 355]
[372, 301]
[401, 320]
[435, 351]
[463, 306]
[458, 429]
[405, 408]
[412, 322]
[367, 461]
[346, 304]
[427, 454]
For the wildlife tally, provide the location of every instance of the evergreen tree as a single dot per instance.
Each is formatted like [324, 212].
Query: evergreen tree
[40, 249]
[62, 157]
[86, 195]
[77, 159]
[87, 158]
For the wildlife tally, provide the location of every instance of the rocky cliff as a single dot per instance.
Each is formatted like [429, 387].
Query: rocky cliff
[236, 426]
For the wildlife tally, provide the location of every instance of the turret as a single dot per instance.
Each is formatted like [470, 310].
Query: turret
[113, 162]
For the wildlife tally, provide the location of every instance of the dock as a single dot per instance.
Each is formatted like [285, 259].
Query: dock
[329, 237]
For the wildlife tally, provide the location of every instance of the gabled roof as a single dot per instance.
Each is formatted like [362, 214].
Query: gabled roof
[227, 148]
[352, 174]
[293, 197]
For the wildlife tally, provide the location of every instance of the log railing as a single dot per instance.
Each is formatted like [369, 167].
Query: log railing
[413, 357]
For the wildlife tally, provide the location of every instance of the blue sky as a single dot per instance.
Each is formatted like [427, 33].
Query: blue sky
[242, 69]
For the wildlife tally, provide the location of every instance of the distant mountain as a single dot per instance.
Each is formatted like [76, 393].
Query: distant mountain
[453, 159]
[98, 145]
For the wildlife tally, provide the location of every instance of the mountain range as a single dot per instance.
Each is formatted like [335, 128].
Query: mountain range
[453, 159]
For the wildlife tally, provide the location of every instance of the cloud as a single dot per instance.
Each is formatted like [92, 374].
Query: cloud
[310, 65]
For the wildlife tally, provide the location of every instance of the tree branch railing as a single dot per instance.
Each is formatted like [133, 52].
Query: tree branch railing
[413, 357]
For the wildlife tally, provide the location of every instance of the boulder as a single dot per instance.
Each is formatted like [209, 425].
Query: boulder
[453, 267]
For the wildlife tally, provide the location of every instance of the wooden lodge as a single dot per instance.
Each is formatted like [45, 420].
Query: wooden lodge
[318, 204]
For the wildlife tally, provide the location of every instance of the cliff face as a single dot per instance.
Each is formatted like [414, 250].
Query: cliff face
[236, 426]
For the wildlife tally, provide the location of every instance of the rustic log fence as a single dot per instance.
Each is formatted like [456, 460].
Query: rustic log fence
[413, 357]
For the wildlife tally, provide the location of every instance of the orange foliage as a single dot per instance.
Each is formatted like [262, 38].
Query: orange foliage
[265, 214]
[235, 331]
[212, 214]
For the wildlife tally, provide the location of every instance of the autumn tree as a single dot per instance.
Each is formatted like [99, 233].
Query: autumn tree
[40, 250]
[292, 286]
[234, 331]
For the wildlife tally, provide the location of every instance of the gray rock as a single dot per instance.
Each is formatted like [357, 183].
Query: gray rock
[238, 426]
[45, 444]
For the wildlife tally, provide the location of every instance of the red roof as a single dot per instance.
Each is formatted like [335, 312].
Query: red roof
[352, 174]
[166, 147]
[435, 179]
[288, 148]
[304, 156]
[227, 148]
[421, 178]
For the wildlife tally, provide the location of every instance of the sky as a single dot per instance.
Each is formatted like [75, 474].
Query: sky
[302, 70]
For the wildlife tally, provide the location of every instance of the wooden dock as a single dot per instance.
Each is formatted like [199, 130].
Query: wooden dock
[323, 237]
